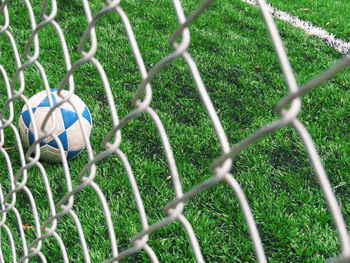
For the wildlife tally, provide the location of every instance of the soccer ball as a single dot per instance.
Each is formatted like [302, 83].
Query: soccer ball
[68, 128]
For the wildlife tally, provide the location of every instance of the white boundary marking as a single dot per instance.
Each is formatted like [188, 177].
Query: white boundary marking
[330, 39]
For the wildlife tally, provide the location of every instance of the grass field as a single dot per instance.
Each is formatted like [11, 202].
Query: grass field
[242, 75]
[331, 16]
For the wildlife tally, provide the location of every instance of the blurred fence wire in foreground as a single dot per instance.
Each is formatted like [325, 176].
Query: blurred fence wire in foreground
[179, 41]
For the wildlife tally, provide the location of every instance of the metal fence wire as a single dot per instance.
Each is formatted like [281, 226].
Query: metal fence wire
[179, 41]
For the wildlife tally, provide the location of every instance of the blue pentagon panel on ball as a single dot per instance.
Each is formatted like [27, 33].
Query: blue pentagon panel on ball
[72, 154]
[86, 115]
[64, 140]
[26, 117]
[69, 117]
[46, 103]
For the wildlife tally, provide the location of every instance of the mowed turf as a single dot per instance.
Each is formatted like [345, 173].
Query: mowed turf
[242, 75]
[330, 15]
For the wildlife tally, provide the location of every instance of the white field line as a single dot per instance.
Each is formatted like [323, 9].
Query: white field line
[330, 39]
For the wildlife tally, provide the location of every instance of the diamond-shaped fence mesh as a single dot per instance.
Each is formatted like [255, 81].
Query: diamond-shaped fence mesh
[16, 246]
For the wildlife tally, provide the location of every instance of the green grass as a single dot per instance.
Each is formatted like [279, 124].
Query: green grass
[330, 15]
[241, 72]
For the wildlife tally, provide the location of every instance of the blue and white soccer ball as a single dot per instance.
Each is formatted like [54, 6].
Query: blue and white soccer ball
[68, 128]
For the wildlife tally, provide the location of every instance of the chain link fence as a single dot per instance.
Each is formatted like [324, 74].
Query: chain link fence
[23, 251]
